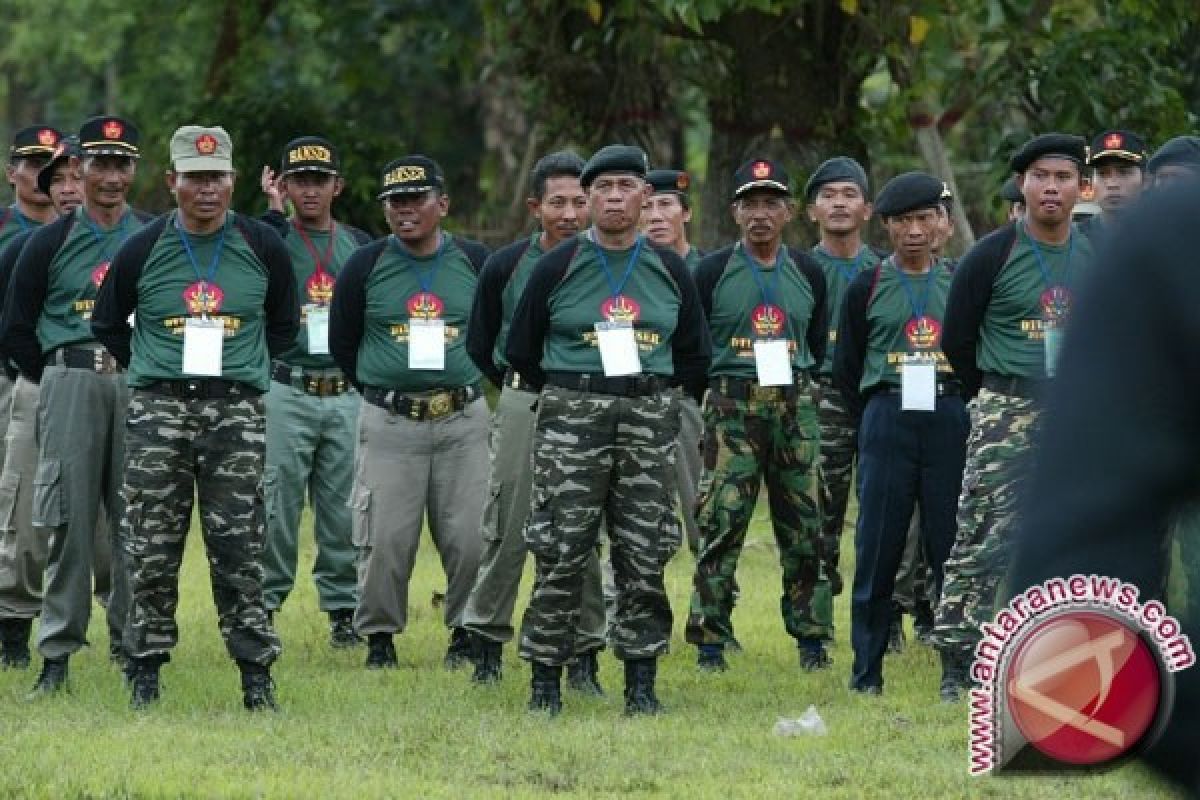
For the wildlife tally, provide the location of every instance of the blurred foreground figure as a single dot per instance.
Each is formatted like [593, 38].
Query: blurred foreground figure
[1120, 447]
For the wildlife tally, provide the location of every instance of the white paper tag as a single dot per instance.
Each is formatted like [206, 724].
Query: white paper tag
[203, 344]
[427, 344]
[1052, 343]
[773, 362]
[618, 349]
[918, 386]
[316, 322]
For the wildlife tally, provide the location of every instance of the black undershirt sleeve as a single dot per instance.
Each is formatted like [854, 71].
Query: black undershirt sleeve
[475, 252]
[281, 307]
[117, 296]
[348, 307]
[967, 304]
[691, 345]
[531, 320]
[487, 309]
[850, 353]
[8, 261]
[27, 295]
[708, 274]
[817, 335]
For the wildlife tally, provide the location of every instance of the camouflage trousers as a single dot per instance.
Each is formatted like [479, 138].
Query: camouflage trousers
[213, 449]
[747, 442]
[998, 448]
[599, 456]
[839, 448]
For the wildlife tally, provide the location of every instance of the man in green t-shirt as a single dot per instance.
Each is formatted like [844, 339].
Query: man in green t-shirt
[1117, 163]
[47, 334]
[912, 420]
[398, 330]
[559, 205]
[765, 305]
[607, 325]
[1008, 304]
[311, 409]
[211, 298]
[31, 149]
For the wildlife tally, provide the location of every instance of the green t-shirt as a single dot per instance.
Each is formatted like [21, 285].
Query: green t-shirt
[692, 259]
[649, 299]
[74, 276]
[741, 314]
[904, 323]
[402, 287]
[170, 290]
[512, 295]
[314, 288]
[839, 272]
[1025, 295]
[15, 223]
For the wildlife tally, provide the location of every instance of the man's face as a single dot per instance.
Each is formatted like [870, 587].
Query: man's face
[1117, 182]
[1051, 187]
[562, 210]
[762, 214]
[22, 174]
[202, 197]
[839, 208]
[66, 191]
[664, 218]
[615, 201]
[415, 216]
[311, 194]
[914, 234]
[106, 179]
[1174, 173]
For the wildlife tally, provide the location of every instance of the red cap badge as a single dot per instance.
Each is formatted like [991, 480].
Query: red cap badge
[113, 129]
[47, 137]
[761, 169]
[1113, 141]
[206, 144]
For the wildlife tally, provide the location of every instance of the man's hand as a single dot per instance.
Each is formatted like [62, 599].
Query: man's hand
[272, 187]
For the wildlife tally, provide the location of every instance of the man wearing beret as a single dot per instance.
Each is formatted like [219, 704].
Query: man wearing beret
[1178, 159]
[1117, 160]
[1009, 301]
[47, 333]
[23, 551]
[607, 325]
[213, 296]
[913, 428]
[1010, 193]
[559, 204]
[765, 305]
[664, 221]
[311, 409]
[398, 329]
[839, 203]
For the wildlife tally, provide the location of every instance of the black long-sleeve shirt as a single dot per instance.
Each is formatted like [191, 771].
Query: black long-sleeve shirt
[487, 312]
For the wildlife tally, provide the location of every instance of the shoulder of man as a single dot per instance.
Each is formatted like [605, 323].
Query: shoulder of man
[476, 252]
[360, 236]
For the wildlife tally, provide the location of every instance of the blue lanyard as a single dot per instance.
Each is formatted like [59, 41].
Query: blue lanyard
[20, 218]
[837, 263]
[1037, 253]
[756, 271]
[216, 256]
[105, 238]
[424, 278]
[906, 282]
[613, 285]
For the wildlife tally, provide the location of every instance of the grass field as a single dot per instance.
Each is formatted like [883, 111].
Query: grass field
[420, 731]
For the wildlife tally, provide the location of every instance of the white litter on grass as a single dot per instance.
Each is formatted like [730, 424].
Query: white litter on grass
[807, 724]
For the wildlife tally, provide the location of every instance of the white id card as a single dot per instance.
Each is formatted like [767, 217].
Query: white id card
[618, 349]
[316, 323]
[773, 362]
[203, 342]
[1052, 345]
[427, 344]
[918, 386]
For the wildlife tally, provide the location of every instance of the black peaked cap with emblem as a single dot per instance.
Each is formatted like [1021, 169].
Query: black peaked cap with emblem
[309, 154]
[35, 140]
[109, 136]
[669, 180]
[411, 175]
[910, 191]
[1049, 145]
[1118, 145]
[761, 173]
[836, 170]
[620, 158]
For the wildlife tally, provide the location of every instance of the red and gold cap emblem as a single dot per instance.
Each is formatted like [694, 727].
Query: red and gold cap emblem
[47, 137]
[682, 181]
[924, 333]
[620, 309]
[760, 170]
[425, 305]
[206, 144]
[1114, 141]
[203, 298]
[112, 129]
[767, 321]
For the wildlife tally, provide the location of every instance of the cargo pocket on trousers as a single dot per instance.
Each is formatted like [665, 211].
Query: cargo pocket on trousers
[48, 507]
[270, 494]
[10, 484]
[670, 536]
[490, 526]
[539, 535]
[360, 513]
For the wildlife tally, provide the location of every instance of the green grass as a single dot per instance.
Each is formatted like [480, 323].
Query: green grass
[422, 732]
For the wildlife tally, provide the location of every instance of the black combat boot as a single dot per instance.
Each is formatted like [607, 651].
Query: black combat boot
[459, 653]
[640, 674]
[711, 658]
[258, 690]
[143, 679]
[583, 674]
[341, 629]
[923, 622]
[381, 652]
[955, 666]
[53, 677]
[896, 631]
[14, 643]
[545, 692]
[489, 659]
[813, 655]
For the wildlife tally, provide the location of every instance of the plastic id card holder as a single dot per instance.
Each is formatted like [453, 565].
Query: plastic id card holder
[427, 344]
[618, 349]
[773, 362]
[918, 386]
[316, 324]
[203, 344]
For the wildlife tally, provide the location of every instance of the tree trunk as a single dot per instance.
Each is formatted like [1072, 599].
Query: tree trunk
[933, 151]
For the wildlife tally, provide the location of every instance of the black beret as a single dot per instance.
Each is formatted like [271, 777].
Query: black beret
[1118, 144]
[760, 173]
[910, 191]
[1010, 192]
[109, 136]
[1183, 151]
[68, 146]
[838, 168]
[669, 180]
[34, 140]
[1053, 145]
[309, 154]
[621, 158]
[411, 175]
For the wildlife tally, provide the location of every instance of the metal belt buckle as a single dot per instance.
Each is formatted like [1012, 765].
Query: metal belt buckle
[516, 381]
[440, 405]
[764, 394]
[312, 385]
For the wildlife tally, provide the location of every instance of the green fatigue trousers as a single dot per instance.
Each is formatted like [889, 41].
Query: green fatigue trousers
[839, 448]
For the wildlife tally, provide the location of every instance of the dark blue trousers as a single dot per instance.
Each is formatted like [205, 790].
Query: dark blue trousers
[905, 458]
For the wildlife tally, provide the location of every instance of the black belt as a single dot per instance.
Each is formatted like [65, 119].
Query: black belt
[513, 380]
[97, 360]
[203, 389]
[324, 383]
[944, 389]
[624, 386]
[1025, 388]
[751, 391]
[433, 405]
